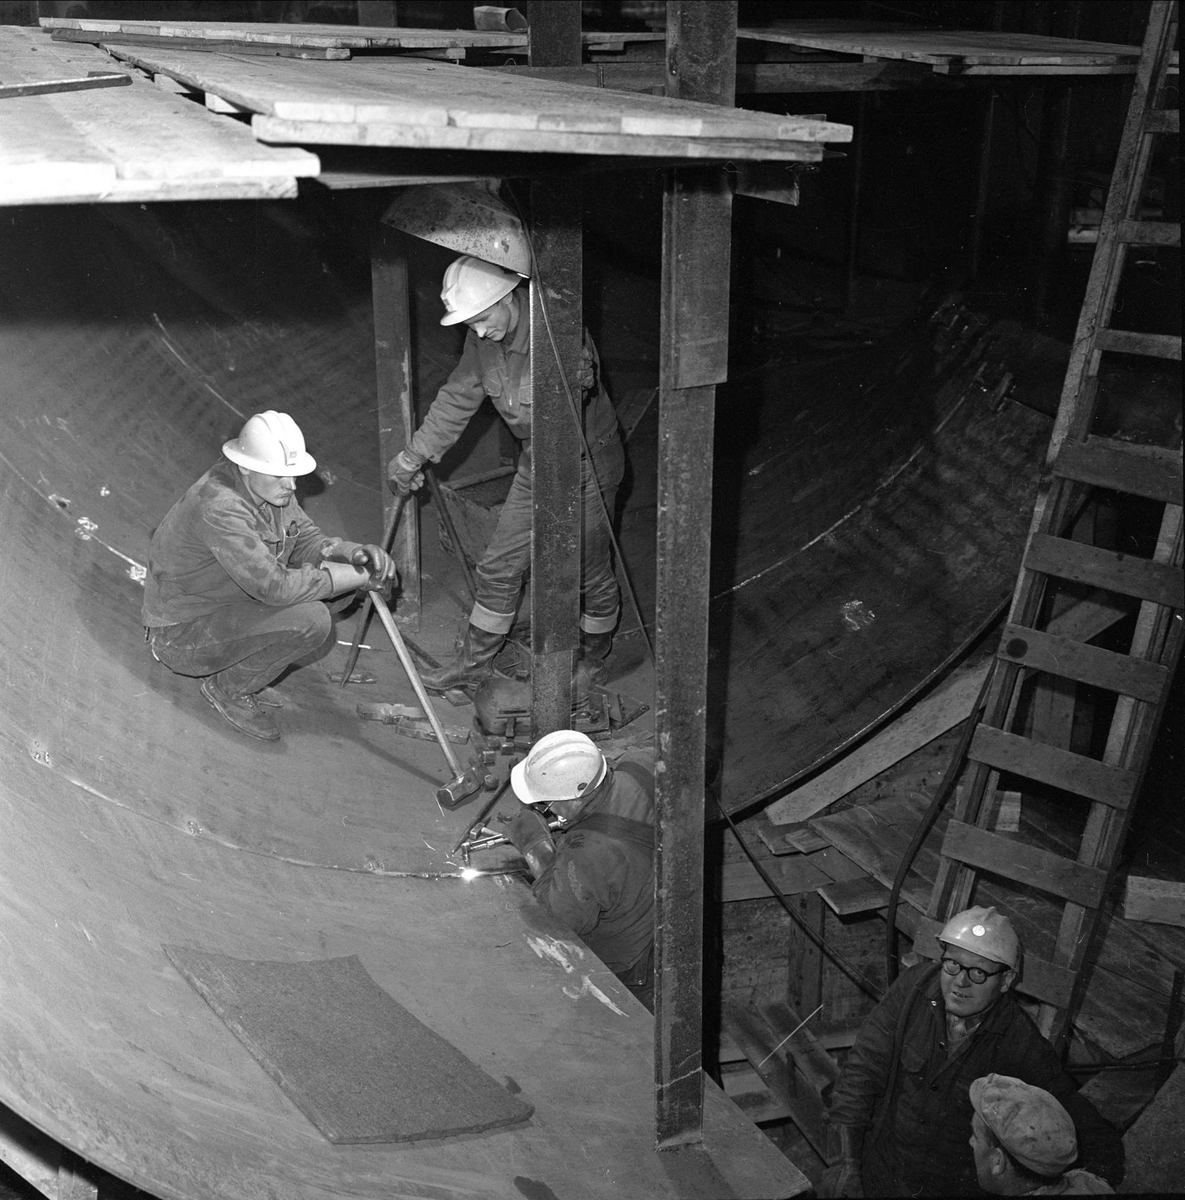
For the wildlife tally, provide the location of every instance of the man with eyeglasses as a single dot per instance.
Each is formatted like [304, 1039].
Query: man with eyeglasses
[902, 1103]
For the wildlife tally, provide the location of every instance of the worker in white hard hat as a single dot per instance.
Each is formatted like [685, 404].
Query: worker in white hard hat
[593, 861]
[495, 362]
[238, 575]
[902, 1105]
[1024, 1142]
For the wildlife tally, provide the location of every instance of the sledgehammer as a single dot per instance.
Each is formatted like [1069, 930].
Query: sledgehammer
[463, 783]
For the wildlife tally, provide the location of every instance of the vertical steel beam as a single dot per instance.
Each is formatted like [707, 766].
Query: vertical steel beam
[553, 34]
[556, 324]
[697, 219]
[396, 415]
[554, 41]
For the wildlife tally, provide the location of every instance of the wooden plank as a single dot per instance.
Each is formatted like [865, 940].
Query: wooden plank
[938, 47]
[1070, 659]
[1150, 471]
[926, 720]
[1125, 341]
[855, 896]
[1012, 859]
[1074, 773]
[1158, 582]
[130, 142]
[1158, 900]
[312, 34]
[430, 96]
[791, 875]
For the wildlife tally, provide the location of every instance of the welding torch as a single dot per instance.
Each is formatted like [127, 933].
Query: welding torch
[485, 837]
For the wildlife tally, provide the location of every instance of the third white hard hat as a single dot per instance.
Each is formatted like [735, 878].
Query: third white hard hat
[564, 765]
[985, 932]
[472, 285]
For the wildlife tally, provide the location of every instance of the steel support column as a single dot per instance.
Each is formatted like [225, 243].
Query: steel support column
[554, 41]
[396, 416]
[697, 215]
[555, 448]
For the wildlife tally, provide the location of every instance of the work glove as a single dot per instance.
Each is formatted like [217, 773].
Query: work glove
[378, 562]
[586, 373]
[842, 1179]
[404, 472]
[527, 832]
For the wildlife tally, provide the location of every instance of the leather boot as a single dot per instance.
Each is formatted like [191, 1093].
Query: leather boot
[594, 650]
[474, 661]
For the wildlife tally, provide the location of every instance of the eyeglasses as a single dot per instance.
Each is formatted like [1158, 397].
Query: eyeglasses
[975, 974]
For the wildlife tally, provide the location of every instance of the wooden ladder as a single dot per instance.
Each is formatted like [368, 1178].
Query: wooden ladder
[1070, 559]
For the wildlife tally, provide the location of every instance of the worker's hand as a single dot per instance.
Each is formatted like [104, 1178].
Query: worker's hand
[842, 1179]
[526, 831]
[404, 472]
[344, 576]
[376, 560]
[586, 373]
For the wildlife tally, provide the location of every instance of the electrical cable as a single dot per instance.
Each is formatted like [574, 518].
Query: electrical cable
[853, 973]
[575, 413]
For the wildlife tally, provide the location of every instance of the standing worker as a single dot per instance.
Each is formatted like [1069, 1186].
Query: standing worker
[237, 574]
[597, 874]
[902, 1101]
[496, 362]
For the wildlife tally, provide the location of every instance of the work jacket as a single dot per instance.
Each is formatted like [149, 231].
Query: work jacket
[899, 1085]
[219, 545]
[600, 882]
[502, 371]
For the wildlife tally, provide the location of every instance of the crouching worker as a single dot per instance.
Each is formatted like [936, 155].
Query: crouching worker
[901, 1103]
[237, 575]
[596, 874]
[1024, 1142]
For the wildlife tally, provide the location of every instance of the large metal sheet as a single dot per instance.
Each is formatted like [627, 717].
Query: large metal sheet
[134, 817]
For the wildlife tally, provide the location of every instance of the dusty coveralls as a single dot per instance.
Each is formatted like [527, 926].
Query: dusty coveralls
[600, 882]
[900, 1086]
[234, 588]
[501, 370]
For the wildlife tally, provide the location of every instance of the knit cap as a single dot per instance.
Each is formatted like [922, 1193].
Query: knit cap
[1029, 1123]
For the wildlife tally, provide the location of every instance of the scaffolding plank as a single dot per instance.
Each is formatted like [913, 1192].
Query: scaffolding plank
[132, 142]
[944, 48]
[436, 99]
[1154, 345]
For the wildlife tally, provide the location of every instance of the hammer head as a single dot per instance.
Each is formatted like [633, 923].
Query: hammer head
[459, 790]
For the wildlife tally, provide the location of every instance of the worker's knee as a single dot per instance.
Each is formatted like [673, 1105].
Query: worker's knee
[310, 623]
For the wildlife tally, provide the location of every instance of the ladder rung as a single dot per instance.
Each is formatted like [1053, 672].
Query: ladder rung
[1162, 120]
[1154, 345]
[1025, 864]
[1123, 573]
[1074, 773]
[1149, 471]
[1150, 233]
[1069, 659]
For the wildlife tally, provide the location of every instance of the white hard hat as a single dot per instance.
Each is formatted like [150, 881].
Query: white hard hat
[985, 932]
[271, 443]
[472, 285]
[564, 765]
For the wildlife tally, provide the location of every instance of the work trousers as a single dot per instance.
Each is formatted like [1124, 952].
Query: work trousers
[507, 558]
[243, 646]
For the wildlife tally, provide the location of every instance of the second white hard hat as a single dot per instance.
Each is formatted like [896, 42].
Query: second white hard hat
[564, 765]
[472, 285]
[272, 444]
